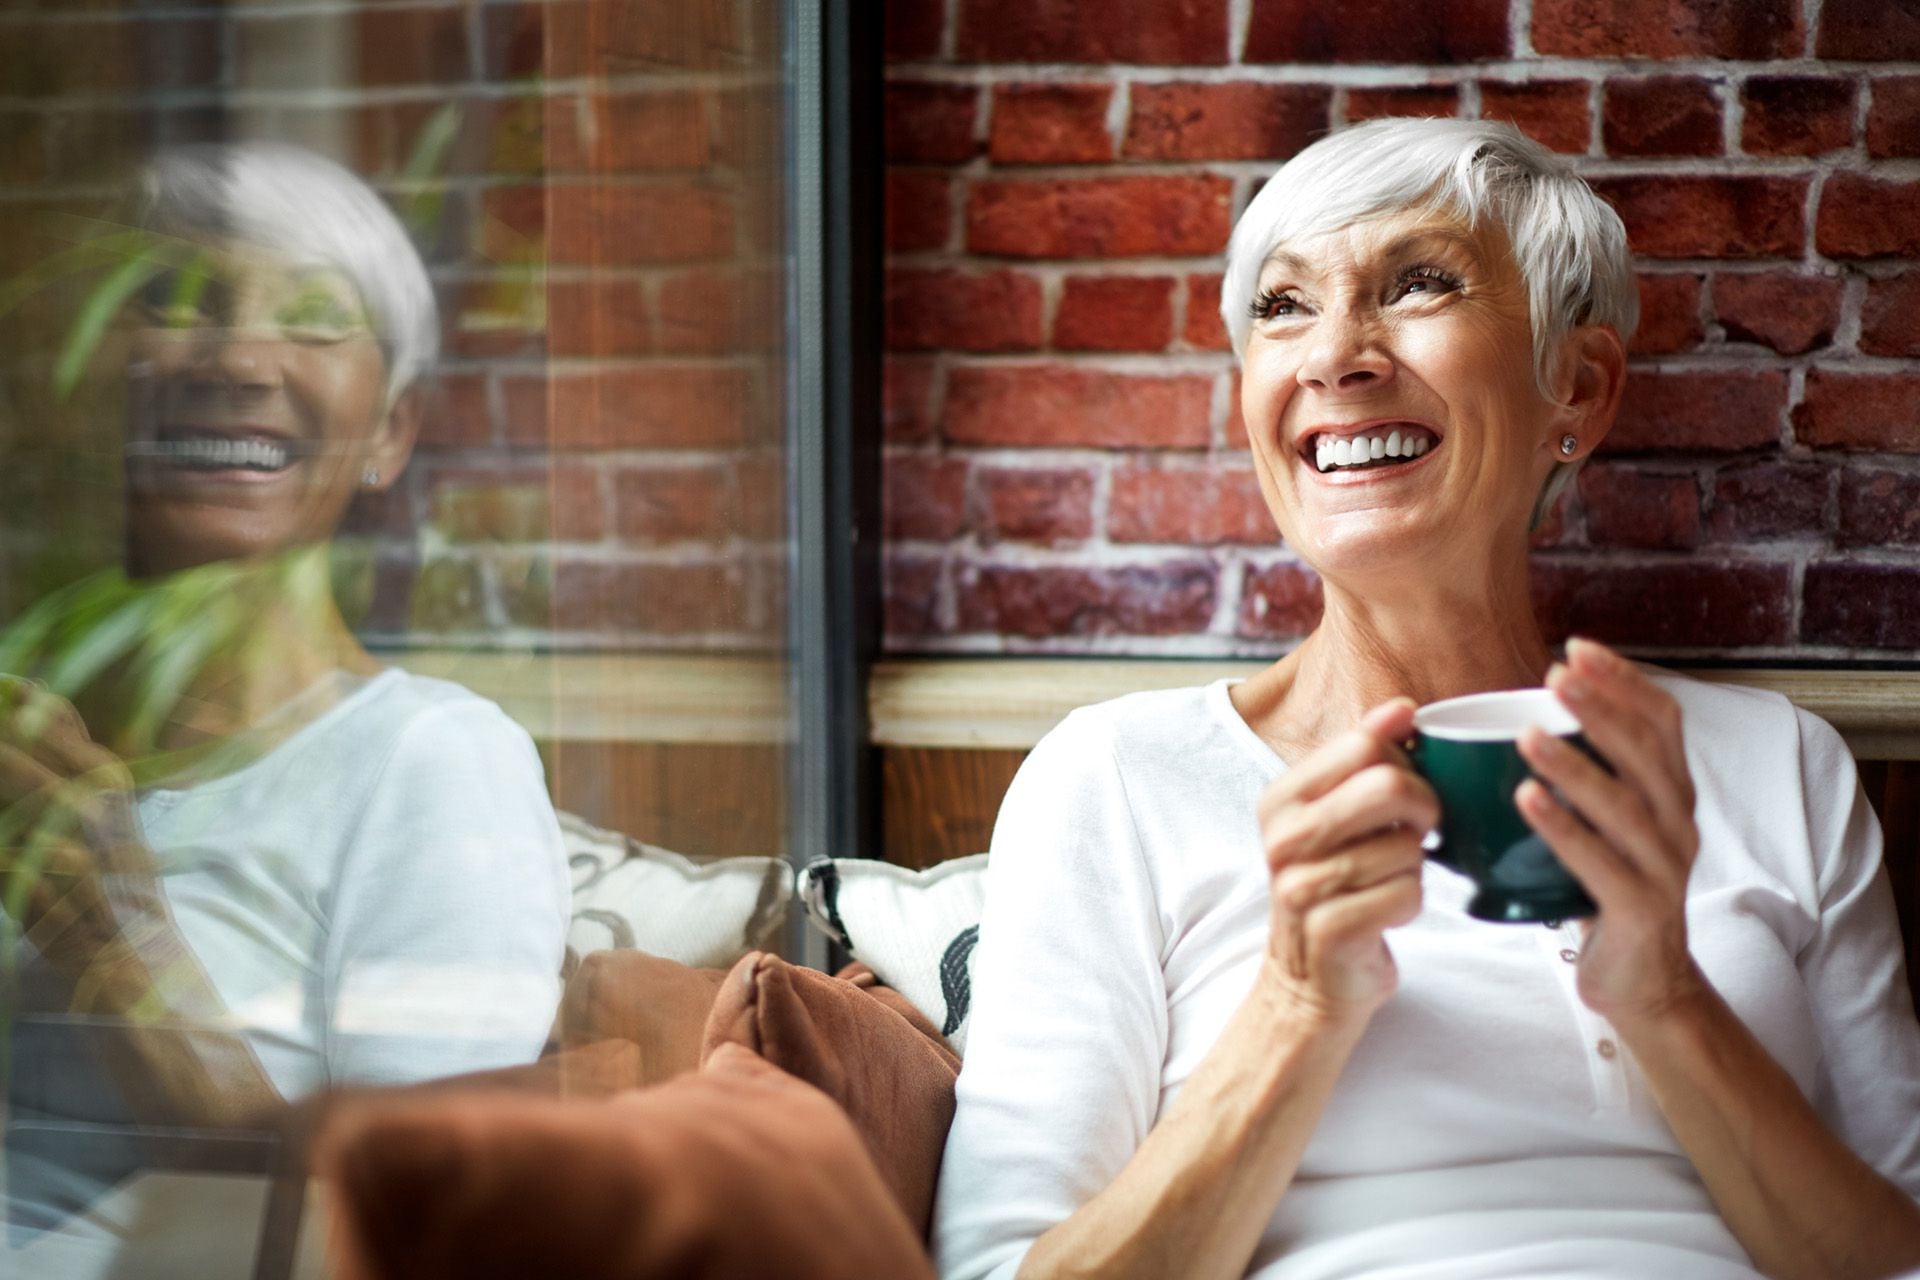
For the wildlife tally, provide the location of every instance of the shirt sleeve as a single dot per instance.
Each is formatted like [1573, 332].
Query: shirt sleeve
[450, 912]
[1854, 969]
[1062, 1075]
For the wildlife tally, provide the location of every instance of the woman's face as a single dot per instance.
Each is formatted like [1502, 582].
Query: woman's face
[1410, 330]
[257, 401]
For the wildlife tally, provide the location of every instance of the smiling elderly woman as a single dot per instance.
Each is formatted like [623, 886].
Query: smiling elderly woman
[1228, 1021]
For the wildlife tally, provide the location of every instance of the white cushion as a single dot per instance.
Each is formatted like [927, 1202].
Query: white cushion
[914, 929]
[704, 912]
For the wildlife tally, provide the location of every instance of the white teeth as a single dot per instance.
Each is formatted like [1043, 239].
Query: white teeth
[1349, 451]
[215, 454]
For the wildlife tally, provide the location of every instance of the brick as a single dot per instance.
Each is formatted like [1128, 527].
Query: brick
[930, 123]
[950, 310]
[1863, 217]
[1440, 32]
[504, 317]
[1051, 406]
[717, 312]
[652, 132]
[1050, 124]
[1660, 116]
[913, 29]
[911, 594]
[516, 504]
[1114, 313]
[1859, 411]
[606, 316]
[1893, 118]
[1279, 602]
[924, 497]
[395, 46]
[919, 211]
[1196, 506]
[674, 504]
[1669, 315]
[1796, 115]
[1174, 598]
[1709, 216]
[1863, 606]
[658, 599]
[1868, 31]
[1691, 604]
[1149, 32]
[1205, 329]
[1241, 121]
[1890, 316]
[1432, 100]
[1744, 30]
[1769, 499]
[457, 415]
[1699, 410]
[605, 226]
[568, 39]
[1111, 217]
[760, 488]
[647, 406]
[743, 133]
[1789, 313]
[1627, 507]
[1038, 504]
[1879, 509]
[52, 59]
[448, 595]
[1554, 113]
[906, 400]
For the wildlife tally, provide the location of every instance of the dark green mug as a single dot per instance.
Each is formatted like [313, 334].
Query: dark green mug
[1466, 749]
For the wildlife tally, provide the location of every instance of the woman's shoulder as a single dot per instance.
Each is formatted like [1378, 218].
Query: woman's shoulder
[1190, 726]
[1755, 723]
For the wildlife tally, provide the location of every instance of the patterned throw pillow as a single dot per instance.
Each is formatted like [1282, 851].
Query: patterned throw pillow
[915, 929]
[703, 912]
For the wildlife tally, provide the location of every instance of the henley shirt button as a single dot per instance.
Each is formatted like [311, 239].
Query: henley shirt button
[1606, 1049]
[1569, 954]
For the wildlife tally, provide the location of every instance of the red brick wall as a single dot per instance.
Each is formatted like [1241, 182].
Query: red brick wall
[1064, 466]
[604, 464]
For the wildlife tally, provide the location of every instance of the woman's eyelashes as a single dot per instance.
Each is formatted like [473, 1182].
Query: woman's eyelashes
[1421, 280]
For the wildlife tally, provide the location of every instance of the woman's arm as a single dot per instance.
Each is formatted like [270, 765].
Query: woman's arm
[1797, 1198]
[89, 902]
[1341, 832]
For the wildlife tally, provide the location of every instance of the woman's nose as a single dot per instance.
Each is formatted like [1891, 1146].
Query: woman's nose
[236, 358]
[1344, 356]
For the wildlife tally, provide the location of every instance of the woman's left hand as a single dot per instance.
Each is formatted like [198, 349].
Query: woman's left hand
[1635, 847]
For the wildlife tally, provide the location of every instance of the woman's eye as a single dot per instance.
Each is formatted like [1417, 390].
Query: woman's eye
[1268, 305]
[1426, 281]
[175, 300]
[319, 315]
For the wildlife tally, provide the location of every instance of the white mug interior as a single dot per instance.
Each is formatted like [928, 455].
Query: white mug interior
[1495, 717]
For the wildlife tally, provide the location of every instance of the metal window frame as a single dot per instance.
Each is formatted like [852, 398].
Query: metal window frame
[833, 65]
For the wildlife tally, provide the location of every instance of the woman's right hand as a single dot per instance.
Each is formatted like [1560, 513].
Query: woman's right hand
[1342, 832]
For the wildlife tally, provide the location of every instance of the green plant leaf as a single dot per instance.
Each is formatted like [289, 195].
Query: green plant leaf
[91, 324]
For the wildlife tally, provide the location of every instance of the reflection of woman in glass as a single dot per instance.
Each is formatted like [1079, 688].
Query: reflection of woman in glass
[343, 872]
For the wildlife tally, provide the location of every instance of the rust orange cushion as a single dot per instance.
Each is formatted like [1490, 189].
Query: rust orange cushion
[861, 1043]
[736, 1172]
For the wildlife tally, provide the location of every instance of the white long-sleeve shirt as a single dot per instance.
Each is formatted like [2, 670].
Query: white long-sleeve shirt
[1488, 1124]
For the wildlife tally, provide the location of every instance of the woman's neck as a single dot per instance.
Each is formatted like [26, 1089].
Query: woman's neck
[1426, 643]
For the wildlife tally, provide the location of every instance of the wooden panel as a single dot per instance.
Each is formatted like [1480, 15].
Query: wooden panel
[938, 803]
[1012, 702]
[706, 799]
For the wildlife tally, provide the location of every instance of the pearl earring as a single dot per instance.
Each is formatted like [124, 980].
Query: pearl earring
[1569, 443]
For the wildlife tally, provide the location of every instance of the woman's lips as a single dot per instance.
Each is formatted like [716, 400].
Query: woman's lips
[242, 456]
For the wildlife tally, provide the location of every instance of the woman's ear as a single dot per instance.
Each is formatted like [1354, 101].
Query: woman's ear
[1593, 369]
[394, 438]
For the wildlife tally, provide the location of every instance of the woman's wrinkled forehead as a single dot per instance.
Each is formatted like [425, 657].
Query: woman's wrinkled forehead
[1390, 238]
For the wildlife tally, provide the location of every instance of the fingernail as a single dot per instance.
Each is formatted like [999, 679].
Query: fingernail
[1568, 685]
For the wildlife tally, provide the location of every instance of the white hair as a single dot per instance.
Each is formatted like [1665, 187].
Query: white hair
[1570, 245]
[293, 201]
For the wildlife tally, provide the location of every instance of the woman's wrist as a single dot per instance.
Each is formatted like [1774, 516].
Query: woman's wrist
[1293, 1010]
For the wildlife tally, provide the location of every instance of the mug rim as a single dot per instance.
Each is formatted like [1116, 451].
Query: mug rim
[1536, 706]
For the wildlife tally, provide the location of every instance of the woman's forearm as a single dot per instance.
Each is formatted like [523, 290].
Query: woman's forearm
[1195, 1198]
[160, 1034]
[1799, 1201]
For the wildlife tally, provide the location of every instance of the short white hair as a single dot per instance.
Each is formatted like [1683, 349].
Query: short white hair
[296, 202]
[1570, 246]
